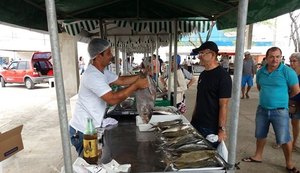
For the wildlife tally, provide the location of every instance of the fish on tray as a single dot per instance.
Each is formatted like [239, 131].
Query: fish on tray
[167, 124]
[194, 159]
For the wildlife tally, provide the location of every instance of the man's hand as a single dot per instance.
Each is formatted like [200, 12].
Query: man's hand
[222, 135]
[141, 83]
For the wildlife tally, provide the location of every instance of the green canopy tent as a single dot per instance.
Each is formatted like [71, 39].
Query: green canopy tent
[31, 13]
[227, 14]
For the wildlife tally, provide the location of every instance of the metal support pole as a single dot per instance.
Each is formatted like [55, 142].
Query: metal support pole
[124, 60]
[169, 67]
[60, 91]
[151, 59]
[157, 62]
[117, 57]
[101, 28]
[175, 25]
[236, 91]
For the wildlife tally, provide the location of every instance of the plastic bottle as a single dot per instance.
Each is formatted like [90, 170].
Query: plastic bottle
[90, 143]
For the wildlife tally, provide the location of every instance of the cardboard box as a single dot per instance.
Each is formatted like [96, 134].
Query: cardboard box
[10, 142]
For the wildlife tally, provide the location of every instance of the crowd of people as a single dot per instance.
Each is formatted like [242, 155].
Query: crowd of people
[278, 86]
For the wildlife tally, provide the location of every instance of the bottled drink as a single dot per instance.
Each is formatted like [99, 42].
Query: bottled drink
[90, 143]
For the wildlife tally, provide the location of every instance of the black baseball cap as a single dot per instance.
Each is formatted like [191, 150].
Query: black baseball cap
[207, 45]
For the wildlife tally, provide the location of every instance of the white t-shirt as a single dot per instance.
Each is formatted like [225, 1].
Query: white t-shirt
[94, 84]
[181, 87]
[225, 63]
[189, 62]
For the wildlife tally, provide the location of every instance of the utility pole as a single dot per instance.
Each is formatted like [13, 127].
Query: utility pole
[249, 36]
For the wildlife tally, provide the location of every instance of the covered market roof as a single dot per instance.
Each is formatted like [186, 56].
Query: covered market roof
[32, 13]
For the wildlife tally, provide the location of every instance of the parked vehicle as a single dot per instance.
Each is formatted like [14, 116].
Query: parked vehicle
[30, 72]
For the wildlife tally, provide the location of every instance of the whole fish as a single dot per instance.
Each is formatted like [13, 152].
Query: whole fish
[177, 133]
[175, 141]
[192, 147]
[176, 128]
[145, 99]
[211, 162]
[195, 156]
[194, 159]
[184, 141]
[167, 124]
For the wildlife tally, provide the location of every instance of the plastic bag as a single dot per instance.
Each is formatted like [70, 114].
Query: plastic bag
[222, 150]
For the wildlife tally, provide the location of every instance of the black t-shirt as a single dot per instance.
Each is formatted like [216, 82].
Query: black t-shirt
[212, 85]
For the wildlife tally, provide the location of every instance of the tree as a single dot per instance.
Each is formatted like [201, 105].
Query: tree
[207, 36]
[295, 30]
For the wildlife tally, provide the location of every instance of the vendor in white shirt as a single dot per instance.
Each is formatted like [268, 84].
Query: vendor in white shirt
[95, 91]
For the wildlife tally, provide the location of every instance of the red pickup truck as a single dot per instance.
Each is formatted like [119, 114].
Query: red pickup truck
[30, 72]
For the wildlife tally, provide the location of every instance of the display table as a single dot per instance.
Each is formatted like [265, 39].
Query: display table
[127, 145]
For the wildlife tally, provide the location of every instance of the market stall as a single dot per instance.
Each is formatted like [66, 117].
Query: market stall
[157, 145]
[127, 144]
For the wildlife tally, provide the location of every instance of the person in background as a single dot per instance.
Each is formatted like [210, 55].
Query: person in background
[156, 67]
[273, 82]
[182, 76]
[95, 92]
[184, 63]
[263, 62]
[161, 64]
[81, 65]
[129, 66]
[295, 65]
[113, 66]
[248, 74]
[189, 65]
[213, 94]
[225, 62]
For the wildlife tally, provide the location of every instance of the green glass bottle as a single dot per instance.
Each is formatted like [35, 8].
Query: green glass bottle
[90, 144]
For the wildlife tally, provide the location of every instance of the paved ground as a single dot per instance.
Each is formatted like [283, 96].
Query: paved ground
[273, 158]
[37, 110]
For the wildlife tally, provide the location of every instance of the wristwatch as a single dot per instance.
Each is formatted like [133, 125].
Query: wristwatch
[222, 128]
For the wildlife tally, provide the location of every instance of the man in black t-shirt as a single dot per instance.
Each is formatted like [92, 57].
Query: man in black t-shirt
[213, 94]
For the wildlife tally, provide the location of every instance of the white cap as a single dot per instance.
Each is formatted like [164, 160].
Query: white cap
[96, 46]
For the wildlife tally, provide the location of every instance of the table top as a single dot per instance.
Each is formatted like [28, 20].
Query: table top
[127, 145]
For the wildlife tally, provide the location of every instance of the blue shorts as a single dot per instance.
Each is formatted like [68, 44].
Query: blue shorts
[76, 140]
[279, 118]
[247, 79]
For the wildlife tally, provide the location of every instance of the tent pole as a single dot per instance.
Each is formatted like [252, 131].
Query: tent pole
[169, 67]
[175, 26]
[117, 57]
[60, 91]
[236, 89]
[156, 61]
[125, 66]
[101, 28]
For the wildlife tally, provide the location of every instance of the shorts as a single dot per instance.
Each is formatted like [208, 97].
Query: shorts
[279, 118]
[76, 140]
[295, 116]
[247, 79]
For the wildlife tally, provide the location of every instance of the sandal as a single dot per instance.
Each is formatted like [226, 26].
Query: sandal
[296, 149]
[276, 146]
[292, 170]
[249, 159]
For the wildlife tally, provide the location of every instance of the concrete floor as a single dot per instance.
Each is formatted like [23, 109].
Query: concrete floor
[37, 111]
[273, 161]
